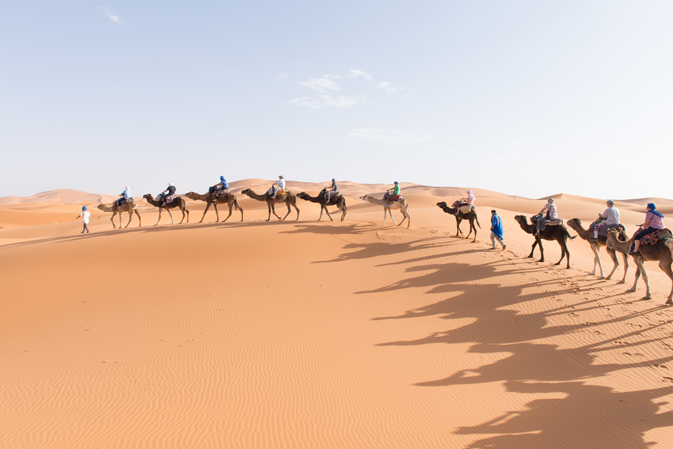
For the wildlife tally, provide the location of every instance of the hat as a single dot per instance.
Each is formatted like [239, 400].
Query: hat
[83, 207]
[651, 206]
[280, 177]
[396, 182]
[550, 200]
[469, 191]
[127, 187]
[222, 178]
[170, 184]
[493, 211]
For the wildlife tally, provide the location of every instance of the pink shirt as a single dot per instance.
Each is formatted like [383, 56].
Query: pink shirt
[551, 207]
[655, 220]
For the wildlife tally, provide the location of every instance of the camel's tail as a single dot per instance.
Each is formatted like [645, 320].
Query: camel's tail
[568, 234]
[476, 219]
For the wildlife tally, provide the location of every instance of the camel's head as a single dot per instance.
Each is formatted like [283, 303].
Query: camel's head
[614, 233]
[101, 206]
[575, 223]
[442, 204]
[302, 195]
[364, 197]
[147, 196]
[190, 195]
[521, 219]
[245, 191]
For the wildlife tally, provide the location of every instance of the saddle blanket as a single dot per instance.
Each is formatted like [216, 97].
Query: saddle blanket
[653, 239]
[167, 199]
[466, 208]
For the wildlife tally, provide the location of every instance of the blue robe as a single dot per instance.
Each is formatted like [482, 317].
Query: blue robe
[496, 222]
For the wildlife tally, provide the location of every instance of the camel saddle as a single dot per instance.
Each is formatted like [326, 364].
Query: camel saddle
[653, 238]
[462, 207]
[392, 198]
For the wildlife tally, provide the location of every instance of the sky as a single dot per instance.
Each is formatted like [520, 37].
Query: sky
[527, 98]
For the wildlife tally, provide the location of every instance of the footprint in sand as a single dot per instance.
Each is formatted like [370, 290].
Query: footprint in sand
[624, 309]
[667, 379]
[620, 343]
[598, 333]
[608, 316]
[573, 314]
[589, 323]
[637, 354]
[661, 366]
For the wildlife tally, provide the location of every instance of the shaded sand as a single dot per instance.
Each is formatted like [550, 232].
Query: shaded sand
[325, 335]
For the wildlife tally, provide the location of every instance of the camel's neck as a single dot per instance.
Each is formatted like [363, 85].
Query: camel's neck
[198, 196]
[529, 228]
[620, 246]
[312, 199]
[150, 199]
[254, 196]
[369, 199]
[586, 234]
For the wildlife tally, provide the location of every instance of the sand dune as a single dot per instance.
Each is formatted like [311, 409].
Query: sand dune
[306, 334]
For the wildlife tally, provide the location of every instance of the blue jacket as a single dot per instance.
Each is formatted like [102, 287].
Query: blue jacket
[496, 222]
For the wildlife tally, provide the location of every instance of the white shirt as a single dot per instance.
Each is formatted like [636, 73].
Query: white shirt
[470, 199]
[281, 184]
[612, 214]
[85, 216]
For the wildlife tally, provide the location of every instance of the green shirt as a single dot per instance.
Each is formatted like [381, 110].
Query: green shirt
[396, 191]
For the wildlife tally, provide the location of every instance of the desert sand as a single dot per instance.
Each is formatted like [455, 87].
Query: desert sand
[306, 334]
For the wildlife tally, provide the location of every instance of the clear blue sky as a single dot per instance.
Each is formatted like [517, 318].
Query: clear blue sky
[524, 97]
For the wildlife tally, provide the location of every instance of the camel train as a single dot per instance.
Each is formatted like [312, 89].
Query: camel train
[613, 238]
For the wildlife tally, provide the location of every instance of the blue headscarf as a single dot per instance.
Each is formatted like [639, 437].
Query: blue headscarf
[654, 209]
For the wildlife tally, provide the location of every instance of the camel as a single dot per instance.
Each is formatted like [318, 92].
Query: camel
[588, 234]
[288, 198]
[127, 206]
[402, 205]
[229, 198]
[556, 232]
[335, 200]
[662, 251]
[178, 202]
[470, 216]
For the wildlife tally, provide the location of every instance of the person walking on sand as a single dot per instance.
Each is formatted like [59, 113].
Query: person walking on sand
[654, 222]
[85, 214]
[496, 230]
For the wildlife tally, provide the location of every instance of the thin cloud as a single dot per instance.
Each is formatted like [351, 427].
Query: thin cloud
[282, 76]
[388, 87]
[110, 15]
[386, 137]
[341, 101]
[305, 101]
[356, 73]
[325, 84]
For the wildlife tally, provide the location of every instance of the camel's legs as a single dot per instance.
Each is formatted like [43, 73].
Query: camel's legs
[288, 210]
[597, 261]
[343, 215]
[626, 267]
[206, 210]
[538, 241]
[325, 207]
[404, 217]
[615, 261]
[159, 218]
[112, 220]
[130, 217]
[184, 211]
[119, 211]
[140, 223]
[648, 293]
[390, 211]
[564, 252]
[231, 204]
[665, 265]
[170, 215]
[458, 231]
[295, 206]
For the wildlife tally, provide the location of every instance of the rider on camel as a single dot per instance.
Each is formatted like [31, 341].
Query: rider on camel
[654, 222]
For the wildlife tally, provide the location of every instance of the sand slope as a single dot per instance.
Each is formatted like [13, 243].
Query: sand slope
[325, 335]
